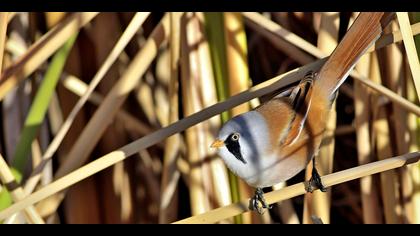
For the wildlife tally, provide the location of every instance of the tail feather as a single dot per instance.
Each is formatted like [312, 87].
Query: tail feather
[363, 33]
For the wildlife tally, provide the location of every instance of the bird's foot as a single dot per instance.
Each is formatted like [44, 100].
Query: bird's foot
[315, 182]
[256, 199]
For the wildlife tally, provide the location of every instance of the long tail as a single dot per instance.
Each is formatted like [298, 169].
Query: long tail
[363, 33]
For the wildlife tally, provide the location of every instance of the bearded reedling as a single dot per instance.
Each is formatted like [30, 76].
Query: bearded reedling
[276, 140]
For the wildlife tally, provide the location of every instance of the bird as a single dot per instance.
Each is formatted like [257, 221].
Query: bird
[275, 141]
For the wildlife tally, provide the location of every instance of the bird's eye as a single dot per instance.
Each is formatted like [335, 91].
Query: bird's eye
[235, 137]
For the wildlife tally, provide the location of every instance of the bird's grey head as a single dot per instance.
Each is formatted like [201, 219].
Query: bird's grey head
[242, 140]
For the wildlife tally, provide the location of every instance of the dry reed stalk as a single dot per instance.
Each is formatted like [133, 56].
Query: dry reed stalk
[407, 142]
[122, 199]
[136, 22]
[53, 18]
[36, 152]
[414, 124]
[6, 176]
[10, 16]
[55, 114]
[161, 97]
[414, 141]
[112, 102]
[151, 94]
[238, 80]
[414, 169]
[118, 155]
[320, 202]
[368, 191]
[168, 207]
[191, 40]
[394, 37]
[3, 31]
[16, 48]
[299, 188]
[42, 50]
[236, 53]
[406, 198]
[388, 179]
[381, 139]
[410, 49]
[396, 79]
[145, 98]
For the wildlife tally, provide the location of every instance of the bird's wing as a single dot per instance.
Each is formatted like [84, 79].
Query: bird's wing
[300, 97]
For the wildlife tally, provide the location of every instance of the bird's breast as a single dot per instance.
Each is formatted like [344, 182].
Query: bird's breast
[275, 168]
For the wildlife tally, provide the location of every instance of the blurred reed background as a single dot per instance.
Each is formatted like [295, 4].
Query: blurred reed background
[77, 86]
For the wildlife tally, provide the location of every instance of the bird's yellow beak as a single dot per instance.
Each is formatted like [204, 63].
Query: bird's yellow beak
[218, 143]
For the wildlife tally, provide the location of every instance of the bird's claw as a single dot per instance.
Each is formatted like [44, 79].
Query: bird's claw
[314, 182]
[256, 199]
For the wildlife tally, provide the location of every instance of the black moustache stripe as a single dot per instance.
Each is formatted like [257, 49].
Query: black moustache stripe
[234, 148]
